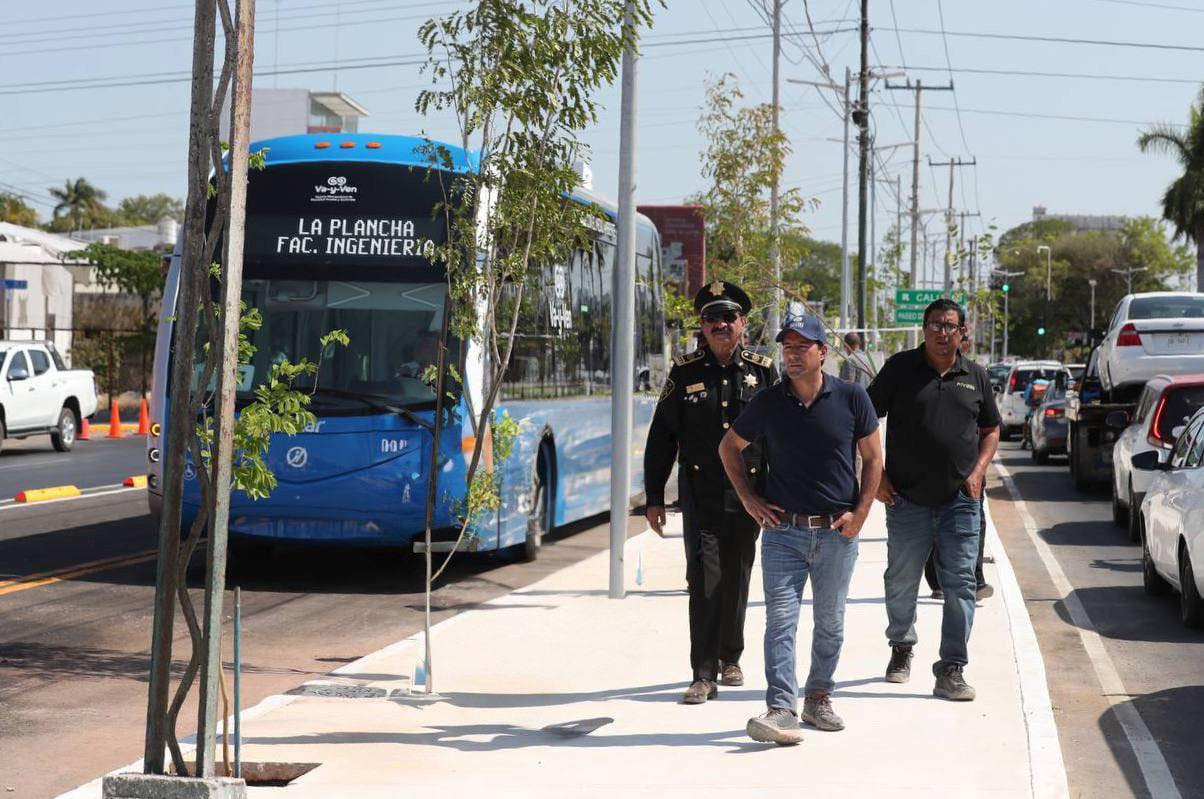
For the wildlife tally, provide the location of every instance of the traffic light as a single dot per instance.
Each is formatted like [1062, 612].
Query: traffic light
[1041, 330]
[1005, 288]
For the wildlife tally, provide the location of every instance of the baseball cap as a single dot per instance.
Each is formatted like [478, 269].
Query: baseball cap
[809, 327]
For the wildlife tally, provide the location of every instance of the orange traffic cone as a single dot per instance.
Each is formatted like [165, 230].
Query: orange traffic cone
[143, 420]
[85, 430]
[115, 421]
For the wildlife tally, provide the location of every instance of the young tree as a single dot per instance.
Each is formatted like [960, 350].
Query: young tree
[744, 157]
[15, 210]
[521, 79]
[1183, 202]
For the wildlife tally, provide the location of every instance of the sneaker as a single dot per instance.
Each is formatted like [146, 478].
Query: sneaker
[775, 726]
[731, 674]
[699, 692]
[985, 590]
[938, 594]
[951, 685]
[818, 712]
[899, 668]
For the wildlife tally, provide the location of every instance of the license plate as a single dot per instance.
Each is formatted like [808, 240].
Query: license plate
[1178, 342]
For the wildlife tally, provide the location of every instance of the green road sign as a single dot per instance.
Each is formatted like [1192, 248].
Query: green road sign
[920, 298]
[909, 316]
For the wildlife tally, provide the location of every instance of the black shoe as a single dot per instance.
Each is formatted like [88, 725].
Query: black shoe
[699, 692]
[899, 668]
[731, 674]
[950, 684]
[938, 594]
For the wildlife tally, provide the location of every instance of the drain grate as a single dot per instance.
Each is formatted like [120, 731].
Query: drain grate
[340, 691]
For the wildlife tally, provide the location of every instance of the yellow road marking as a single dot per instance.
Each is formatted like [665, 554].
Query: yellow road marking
[79, 570]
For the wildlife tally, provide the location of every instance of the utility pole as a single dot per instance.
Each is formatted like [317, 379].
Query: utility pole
[622, 333]
[844, 215]
[862, 117]
[919, 88]
[775, 247]
[952, 164]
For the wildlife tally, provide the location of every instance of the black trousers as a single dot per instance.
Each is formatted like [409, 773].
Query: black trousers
[930, 566]
[721, 546]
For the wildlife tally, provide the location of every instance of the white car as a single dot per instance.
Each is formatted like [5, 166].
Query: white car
[1011, 396]
[1165, 405]
[1172, 522]
[1154, 333]
[39, 395]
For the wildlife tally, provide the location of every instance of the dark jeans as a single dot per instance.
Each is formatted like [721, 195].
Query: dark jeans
[912, 531]
[930, 568]
[721, 546]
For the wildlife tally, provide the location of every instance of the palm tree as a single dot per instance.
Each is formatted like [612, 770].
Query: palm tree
[78, 200]
[1183, 202]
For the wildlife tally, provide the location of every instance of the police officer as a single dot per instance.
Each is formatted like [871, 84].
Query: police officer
[703, 395]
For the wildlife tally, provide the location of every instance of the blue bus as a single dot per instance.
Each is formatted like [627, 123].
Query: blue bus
[338, 233]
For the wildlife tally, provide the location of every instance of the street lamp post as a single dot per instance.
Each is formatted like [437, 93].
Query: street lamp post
[1091, 282]
[1048, 270]
[1128, 273]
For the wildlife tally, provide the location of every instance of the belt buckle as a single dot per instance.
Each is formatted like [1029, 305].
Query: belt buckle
[814, 526]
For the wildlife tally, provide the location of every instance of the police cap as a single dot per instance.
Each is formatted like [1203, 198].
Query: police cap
[721, 296]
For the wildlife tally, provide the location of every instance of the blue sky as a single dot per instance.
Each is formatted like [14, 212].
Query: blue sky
[1066, 143]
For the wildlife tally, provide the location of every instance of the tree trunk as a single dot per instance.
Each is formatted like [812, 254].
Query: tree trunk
[1200, 255]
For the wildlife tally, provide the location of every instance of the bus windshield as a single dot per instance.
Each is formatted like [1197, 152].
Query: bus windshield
[394, 331]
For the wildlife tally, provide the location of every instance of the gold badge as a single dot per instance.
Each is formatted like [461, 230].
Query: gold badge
[716, 288]
[694, 388]
[750, 380]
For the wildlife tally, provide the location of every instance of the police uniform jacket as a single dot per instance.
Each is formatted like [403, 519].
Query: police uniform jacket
[700, 401]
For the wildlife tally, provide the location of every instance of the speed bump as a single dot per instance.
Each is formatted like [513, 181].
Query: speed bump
[43, 494]
[137, 481]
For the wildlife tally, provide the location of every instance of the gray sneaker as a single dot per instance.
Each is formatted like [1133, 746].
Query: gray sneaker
[818, 712]
[899, 668]
[775, 726]
[951, 685]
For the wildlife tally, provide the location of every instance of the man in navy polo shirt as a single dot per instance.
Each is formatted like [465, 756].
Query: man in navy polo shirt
[811, 424]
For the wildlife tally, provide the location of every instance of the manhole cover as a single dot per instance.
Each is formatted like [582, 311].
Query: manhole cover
[340, 691]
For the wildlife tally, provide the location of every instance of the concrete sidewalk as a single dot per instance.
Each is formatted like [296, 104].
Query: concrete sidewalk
[558, 691]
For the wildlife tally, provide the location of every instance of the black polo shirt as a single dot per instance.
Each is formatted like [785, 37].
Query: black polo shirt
[810, 450]
[932, 423]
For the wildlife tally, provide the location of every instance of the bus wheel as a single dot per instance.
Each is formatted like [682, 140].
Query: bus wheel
[537, 521]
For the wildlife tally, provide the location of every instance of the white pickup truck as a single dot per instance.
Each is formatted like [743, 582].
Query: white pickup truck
[39, 395]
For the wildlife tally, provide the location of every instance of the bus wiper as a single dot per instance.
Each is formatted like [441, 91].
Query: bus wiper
[384, 407]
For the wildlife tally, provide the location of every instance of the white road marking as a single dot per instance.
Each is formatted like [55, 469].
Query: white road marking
[1154, 770]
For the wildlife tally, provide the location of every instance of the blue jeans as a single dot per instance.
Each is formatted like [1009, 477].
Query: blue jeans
[788, 555]
[912, 531]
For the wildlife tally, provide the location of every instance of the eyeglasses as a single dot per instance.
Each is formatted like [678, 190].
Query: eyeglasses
[942, 327]
[715, 318]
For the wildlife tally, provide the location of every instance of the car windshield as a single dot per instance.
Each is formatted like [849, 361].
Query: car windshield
[393, 328]
[1187, 307]
[1181, 403]
[998, 373]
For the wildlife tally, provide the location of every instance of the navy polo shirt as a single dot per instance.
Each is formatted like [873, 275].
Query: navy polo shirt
[810, 450]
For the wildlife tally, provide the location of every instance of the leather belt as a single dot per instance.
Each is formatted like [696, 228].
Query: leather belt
[811, 522]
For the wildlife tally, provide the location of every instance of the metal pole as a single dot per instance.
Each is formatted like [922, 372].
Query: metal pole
[179, 425]
[623, 330]
[844, 215]
[237, 681]
[872, 253]
[775, 249]
[1005, 324]
[1092, 283]
[915, 186]
[949, 235]
[215, 563]
[863, 141]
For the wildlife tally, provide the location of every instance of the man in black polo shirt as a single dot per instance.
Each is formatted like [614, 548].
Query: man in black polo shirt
[811, 424]
[941, 433]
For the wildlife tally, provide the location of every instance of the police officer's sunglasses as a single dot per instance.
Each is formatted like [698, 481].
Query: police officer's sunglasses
[722, 316]
[942, 327]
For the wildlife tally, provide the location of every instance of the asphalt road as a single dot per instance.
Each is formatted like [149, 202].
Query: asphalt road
[1160, 662]
[74, 652]
[33, 463]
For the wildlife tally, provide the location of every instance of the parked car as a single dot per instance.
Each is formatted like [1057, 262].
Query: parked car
[1011, 397]
[1165, 405]
[1048, 426]
[1151, 334]
[39, 395]
[998, 373]
[1172, 522]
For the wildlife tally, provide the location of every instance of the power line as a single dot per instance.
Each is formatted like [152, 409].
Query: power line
[1053, 39]
[1024, 73]
[945, 41]
[1066, 117]
[1153, 5]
